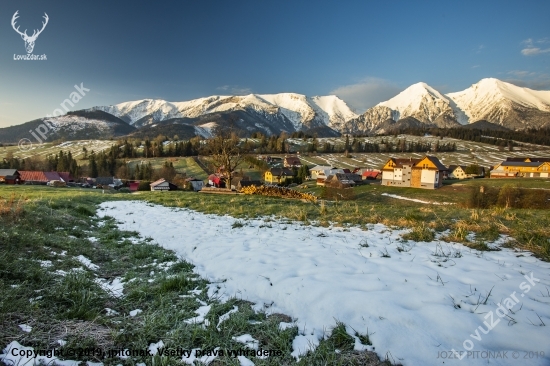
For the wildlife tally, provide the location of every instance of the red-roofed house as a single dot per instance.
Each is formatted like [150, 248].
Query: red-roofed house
[371, 174]
[33, 177]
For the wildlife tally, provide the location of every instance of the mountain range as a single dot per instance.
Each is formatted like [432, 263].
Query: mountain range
[498, 104]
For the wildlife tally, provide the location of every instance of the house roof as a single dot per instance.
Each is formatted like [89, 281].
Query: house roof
[282, 172]
[523, 159]
[321, 168]
[371, 174]
[52, 176]
[293, 160]
[33, 176]
[157, 182]
[436, 162]
[66, 176]
[534, 164]
[6, 172]
[400, 162]
[350, 176]
[517, 159]
[453, 167]
[340, 177]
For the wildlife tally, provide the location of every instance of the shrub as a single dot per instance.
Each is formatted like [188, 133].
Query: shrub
[144, 186]
[482, 197]
[509, 196]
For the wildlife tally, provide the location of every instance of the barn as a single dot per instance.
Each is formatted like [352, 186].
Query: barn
[163, 185]
[9, 176]
[194, 183]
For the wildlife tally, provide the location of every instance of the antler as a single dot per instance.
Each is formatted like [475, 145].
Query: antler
[15, 16]
[35, 35]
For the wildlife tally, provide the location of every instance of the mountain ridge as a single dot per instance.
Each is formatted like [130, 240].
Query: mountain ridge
[491, 100]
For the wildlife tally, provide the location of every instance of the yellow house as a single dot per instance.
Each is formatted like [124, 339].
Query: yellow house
[526, 169]
[278, 175]
[457, 172]
[418, 173]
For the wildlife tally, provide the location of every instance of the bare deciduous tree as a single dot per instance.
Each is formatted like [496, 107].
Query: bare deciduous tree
[225, 150]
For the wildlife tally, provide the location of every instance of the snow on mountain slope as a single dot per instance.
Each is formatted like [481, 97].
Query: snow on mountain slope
[303, 112]
[492, 100]
[133, 111]
[293, 106]
[77, 123]
[481, 99]
[422, 102]
[337, 110]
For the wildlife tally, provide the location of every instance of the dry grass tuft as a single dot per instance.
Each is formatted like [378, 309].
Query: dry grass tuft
[11, 207]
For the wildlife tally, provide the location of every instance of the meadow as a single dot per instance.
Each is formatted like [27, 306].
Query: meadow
[59, 269]
[48, 235]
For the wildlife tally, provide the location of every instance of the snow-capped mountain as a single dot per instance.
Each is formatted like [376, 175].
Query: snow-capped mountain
[130, 112]
[504, 104]
[76, 125]
[491, 100]
[422, 102]
[267, 113]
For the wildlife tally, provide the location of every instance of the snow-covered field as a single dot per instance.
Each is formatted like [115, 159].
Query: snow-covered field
[416, 301]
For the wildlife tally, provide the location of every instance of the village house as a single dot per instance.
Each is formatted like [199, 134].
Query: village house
[424, 173]
[194, 183]
[529, 168]
[278, 176]
[108, 182]
[319, 170]
[163, 185]
[292, 162]
[38, 177]
[216, 180]
[371, 174]
[9, 176]
[457, 172]
[460, 172]
[343, 180]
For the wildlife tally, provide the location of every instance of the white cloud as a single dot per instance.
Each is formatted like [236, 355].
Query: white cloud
[367, 93]
[530, 48]
[234, 89]
[529, 79]
[521, 73]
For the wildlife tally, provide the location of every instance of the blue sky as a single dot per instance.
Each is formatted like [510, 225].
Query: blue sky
[363, 51]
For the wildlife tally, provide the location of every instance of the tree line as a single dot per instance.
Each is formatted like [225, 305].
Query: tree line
[60, 162]
[503, 138]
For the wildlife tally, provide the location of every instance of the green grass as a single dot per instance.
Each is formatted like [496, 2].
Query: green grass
[43, 230]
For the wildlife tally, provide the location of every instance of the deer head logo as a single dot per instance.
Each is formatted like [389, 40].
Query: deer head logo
[29, 40]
